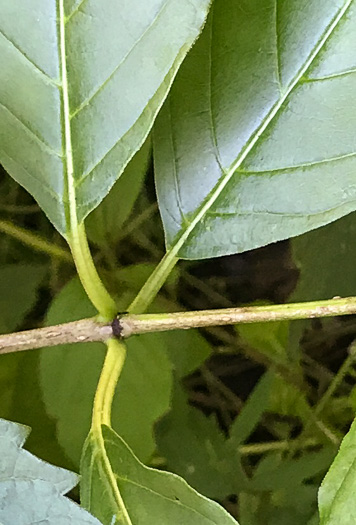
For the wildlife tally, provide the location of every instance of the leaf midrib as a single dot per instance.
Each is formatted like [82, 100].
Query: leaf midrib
[227, 174]
[100, 455]
[125, 479]
[71, 220]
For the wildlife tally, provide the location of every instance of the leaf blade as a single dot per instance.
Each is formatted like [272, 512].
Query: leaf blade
[336, 494]
[32, 490]
[149, 496]
[211, 149]
[93, 94]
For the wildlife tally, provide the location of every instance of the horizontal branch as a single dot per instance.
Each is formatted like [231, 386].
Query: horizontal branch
[145, 323]
[83, 331]
[91, 330]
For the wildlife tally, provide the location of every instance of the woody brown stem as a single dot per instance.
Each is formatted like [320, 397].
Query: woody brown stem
[90, 330]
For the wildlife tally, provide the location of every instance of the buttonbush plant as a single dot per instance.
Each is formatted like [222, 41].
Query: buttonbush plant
[245, 112]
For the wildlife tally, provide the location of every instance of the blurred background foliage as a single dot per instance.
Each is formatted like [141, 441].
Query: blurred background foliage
[251, 416]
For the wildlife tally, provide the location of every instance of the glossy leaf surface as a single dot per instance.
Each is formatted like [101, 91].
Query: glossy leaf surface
[80, 85]
[256, 141]
[148, 496]
[31, 491]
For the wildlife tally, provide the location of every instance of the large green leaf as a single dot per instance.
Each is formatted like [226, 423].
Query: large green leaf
[19, 284]
[292, 506]
[20, 393]
[70, 373]
[195, 448]
[256, 141]
[329, 254]
[80, 85]
[274, 472]
[142, 496]
[31, 491]
[337, 503]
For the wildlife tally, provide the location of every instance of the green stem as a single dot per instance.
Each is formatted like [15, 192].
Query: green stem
[113, 364]
[334, 385]
[76, 238]
[137, 222]
[89, 276]
[277, 446]
[154, 283]
[20, 210]
[145, 323]
[92, 283]
[111, 371]
[35, 241]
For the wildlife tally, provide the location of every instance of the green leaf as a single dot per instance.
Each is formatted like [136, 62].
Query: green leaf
[18, 293]
[337, 502]
[31, 491]
[269, 338]
[314, 520]
[21, 400]
[81, 83]
[196, 449]
[291, 506]
[276, 473]
[187, 350]
[252, 411]
[256, 141]
[147, 496]
[70, 373]
[104, 224]
[272, 340]
[327, 253]
[19, 285]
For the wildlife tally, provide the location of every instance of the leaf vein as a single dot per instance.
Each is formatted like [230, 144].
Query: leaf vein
[175, 174]
[176, 502]
[45, 77]
[75, 10]
[331, 76]
[278, 58]
[30, 131]
[210, 105]
[274, 213]
[45, 188]
[214, 194]
[148, 489]
[298, 166]
[69, 188]
[107, 80]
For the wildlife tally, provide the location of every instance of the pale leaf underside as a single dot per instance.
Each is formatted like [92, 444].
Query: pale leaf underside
[80, 85]
[31, 491]
[256, 141]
